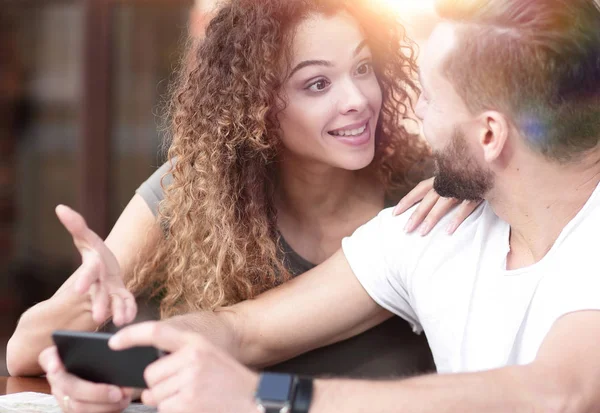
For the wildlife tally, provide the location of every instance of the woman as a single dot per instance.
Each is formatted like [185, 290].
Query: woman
[287, 134]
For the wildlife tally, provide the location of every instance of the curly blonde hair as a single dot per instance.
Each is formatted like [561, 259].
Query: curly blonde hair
[221, 241]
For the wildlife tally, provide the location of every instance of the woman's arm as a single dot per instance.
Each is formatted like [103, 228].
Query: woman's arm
[93, 293]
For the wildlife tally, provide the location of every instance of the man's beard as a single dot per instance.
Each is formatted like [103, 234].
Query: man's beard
[457, 174]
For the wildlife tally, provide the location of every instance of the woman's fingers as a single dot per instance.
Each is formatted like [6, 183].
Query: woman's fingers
[415, 195]
[432, 208]
[130, 308]
[100, 303]
[437, 212]
[89, 272]
[118, 309]
[465, 209]
[98, 261]
[421, 211]
[83, 237]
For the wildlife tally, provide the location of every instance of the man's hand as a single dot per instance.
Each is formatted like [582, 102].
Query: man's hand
[195, 377]
[76, 395]
[99, 274]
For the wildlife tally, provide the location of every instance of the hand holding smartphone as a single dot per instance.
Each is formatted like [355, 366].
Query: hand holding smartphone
[88, 356]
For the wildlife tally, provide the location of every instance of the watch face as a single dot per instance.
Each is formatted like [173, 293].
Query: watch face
[275, 387]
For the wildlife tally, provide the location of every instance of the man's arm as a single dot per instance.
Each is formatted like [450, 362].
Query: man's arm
[323, 306]
[564, 378]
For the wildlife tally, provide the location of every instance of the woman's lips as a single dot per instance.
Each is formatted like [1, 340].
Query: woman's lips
[355, 140]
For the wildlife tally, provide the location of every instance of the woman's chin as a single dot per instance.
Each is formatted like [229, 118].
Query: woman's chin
[355, 162]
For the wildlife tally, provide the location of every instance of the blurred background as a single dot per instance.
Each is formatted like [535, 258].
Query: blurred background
[81, 88]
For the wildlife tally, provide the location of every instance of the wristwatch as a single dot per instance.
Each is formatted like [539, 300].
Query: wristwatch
[283, 393]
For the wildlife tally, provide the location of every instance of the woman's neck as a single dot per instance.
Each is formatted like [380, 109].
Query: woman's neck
[318, 205]
[310, 191]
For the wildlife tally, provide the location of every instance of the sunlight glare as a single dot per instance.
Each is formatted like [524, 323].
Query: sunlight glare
[410, 5]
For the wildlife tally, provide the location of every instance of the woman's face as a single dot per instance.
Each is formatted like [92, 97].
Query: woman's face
[332, 95]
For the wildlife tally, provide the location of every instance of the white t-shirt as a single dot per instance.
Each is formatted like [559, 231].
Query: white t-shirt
[476, 314]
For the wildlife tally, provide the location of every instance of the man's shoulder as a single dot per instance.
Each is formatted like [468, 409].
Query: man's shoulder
[385, 236]
[483, 214]
[581, 237]
[388, 232]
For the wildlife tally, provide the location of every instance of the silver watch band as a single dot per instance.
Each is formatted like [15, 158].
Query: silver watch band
[267, 407]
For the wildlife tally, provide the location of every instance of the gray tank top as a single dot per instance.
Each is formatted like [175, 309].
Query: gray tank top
[388, 350]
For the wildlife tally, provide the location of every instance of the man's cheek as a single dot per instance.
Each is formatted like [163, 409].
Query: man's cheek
[430, 135]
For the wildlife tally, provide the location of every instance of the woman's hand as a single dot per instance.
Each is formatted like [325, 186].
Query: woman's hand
[75, 395]
[195, 377]
[99, 274]
[432, 208]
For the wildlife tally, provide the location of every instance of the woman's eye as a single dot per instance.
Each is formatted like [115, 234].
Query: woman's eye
[364, 69]
[318, 86]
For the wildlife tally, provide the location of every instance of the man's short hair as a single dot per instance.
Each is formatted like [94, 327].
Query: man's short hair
[538, 61]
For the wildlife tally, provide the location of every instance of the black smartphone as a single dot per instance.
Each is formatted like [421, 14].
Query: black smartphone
[88, 356]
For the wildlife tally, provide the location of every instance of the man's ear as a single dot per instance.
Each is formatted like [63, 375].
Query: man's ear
[493, 136]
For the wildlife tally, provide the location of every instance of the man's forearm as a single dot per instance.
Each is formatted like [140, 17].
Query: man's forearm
[232, 330]
[220, 327]
[511, 389]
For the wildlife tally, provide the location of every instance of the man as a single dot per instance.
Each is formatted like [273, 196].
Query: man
[511, 107]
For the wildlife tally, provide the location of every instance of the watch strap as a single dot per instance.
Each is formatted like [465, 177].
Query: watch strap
[302, 395]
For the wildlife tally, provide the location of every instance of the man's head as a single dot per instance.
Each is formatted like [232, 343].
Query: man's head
[506, 75]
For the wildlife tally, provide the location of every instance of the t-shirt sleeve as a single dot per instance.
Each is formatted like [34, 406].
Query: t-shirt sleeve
[378, 258]
[571, 284]
[152, 191]
[576, 288]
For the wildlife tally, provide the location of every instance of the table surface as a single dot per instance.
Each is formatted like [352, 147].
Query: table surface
[10, 385]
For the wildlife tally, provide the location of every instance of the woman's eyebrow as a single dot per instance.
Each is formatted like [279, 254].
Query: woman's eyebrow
[325, 63]
[360, 46]
[306, 63]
